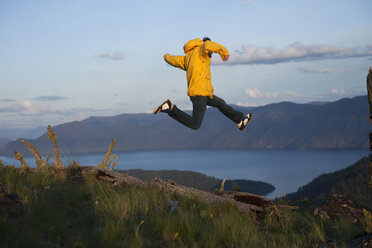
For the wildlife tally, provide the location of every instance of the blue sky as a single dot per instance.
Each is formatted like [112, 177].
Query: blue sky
[67, 60]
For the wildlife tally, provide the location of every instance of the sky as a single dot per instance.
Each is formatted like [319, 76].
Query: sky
[63, 61]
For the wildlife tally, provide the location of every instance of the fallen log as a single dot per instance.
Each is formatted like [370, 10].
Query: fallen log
[247, 198]
[170, 186]
[243, 201]
[113, 177]
[123, 179]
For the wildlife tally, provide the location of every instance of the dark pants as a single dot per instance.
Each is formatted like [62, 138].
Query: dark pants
[199, 104]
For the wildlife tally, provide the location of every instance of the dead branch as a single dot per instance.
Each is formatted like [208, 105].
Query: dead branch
[104, 164]
[222, 188]
[19, 157]
[75, 164]
[57, 159]
[47, 159]
[115, 163]
[111, 159]
[39, 161]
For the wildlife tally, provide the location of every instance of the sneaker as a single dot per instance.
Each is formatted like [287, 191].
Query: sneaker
[243, 123]
[164, 107]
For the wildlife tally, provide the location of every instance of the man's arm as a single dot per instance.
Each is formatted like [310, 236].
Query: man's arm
[176, 61]
[214, 47]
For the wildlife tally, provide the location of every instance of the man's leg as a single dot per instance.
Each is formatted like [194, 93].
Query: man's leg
[229, 112]
[199, 104]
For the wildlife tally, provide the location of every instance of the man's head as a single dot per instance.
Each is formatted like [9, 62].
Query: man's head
[206, 38]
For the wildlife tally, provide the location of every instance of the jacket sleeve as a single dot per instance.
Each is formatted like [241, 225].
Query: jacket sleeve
[214, 47]
[176, 61]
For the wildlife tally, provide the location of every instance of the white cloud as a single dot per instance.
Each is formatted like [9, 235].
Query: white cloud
[271, 95]
[253, 93]
[31, 108]
[8, 100]
[295, 52]
[327, 70]
[32, 114]
[338, 91]
[248, 104]
[26, 108]
[256, 93]
[49, 98]
[293, 93]
[309, 70]
[111, 56]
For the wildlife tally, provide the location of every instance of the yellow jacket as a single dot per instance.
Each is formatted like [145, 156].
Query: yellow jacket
[197, 63]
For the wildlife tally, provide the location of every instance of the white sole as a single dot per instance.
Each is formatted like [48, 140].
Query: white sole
[158, 109]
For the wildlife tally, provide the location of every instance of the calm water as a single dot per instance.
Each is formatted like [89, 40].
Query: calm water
[286, 170]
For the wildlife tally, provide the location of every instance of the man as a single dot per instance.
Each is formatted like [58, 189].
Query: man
[197, 63]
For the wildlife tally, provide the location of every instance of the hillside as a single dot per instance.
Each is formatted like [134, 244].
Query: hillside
[352, 182]
[3, 142]
[204, 182]
[58, 208]
[284, 125]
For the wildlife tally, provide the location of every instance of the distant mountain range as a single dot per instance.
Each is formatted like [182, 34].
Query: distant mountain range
[335, 125]
[3, 142]
[26, 133]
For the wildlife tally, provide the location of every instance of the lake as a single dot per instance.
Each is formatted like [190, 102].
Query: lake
[287, 170]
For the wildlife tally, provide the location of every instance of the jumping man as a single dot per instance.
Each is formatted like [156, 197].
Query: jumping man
[197, 63]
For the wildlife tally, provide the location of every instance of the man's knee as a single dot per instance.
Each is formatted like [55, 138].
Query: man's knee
[196, 125]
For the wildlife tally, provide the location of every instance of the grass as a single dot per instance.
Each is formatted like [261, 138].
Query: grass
[59, 212]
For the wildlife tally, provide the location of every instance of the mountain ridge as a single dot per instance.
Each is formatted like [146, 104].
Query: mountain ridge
[285, 125]
[352, 182]
[3, 142]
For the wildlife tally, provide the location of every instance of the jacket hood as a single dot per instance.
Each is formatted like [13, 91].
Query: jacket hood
[191, 44]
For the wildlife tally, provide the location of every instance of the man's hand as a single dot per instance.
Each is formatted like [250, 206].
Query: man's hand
[225, 58]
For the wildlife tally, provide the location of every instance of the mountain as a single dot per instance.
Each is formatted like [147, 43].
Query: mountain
[26, 133]
[3, 142]
[352, 182]
[341, 124]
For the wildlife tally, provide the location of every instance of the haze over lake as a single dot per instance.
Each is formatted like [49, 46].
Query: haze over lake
[285, 169]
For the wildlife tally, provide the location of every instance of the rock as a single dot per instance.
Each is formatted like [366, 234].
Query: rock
[363, 240]
[338, 206]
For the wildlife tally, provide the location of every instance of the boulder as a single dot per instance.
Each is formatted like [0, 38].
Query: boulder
[338, 206]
